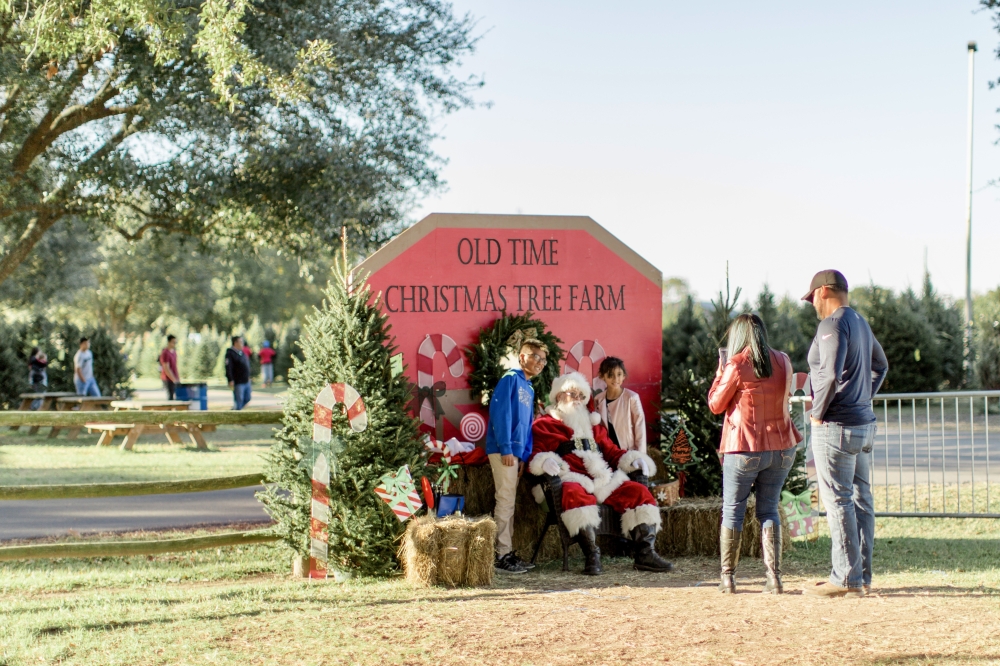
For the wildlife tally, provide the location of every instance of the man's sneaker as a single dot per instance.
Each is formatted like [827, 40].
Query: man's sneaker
[508, 564]
[527, 566]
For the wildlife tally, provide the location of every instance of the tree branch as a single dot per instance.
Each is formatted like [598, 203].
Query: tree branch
[26, 243]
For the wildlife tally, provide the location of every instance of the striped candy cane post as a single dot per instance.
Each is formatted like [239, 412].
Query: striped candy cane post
[319, 522]
[425, 358]
[591, 349]
[327, 399]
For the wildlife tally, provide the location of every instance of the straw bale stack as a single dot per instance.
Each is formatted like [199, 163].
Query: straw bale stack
[691, 527]
[476, 483]
[452, 552]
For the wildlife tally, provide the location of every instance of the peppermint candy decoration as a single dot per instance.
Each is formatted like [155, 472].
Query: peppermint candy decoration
[472, 427]
[593, 350]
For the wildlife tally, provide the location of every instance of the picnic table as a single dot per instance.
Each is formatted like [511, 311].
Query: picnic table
[48, 404]
[74, 403]
[132, 431]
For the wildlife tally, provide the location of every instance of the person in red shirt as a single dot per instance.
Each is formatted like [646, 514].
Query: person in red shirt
[168, 367]
[267, 355]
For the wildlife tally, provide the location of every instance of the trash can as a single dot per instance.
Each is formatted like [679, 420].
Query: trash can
[193, 393]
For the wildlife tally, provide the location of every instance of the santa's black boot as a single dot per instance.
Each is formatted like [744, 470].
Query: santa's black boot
[644, 555]
[591, 553]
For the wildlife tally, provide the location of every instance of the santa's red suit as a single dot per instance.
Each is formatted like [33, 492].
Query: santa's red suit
[592, 468]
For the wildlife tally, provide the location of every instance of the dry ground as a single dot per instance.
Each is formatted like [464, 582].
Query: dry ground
[937, 601]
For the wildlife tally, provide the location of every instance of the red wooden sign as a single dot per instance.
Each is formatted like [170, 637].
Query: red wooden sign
[449, 275]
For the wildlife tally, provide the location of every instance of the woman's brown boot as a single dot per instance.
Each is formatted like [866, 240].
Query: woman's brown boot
[729, 547]
[770, 552]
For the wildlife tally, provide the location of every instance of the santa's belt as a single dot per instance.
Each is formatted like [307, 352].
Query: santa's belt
[574, 445]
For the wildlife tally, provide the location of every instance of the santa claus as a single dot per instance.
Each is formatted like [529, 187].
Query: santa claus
[570, 443]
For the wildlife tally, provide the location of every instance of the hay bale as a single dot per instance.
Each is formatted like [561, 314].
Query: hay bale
[452, 551]
[476, 483]
[691, 527]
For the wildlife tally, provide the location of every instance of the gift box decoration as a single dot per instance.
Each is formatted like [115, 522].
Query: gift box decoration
[800, 514]
[398, 491]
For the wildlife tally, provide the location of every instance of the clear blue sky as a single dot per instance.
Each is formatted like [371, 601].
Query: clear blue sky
[782, 137]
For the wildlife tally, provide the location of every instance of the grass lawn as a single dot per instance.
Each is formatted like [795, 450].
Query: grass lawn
[34, 459]
[937, 600]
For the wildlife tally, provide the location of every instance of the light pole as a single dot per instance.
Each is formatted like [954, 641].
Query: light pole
[968, 225]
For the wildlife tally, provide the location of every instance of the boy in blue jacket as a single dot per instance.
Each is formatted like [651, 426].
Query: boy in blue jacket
[508, 445]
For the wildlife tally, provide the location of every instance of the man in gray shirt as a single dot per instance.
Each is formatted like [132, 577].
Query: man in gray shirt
[846, 368]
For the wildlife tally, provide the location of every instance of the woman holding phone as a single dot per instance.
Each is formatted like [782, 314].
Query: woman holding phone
[752, 387]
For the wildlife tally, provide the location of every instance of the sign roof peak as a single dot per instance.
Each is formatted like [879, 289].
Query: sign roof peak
[410, 236]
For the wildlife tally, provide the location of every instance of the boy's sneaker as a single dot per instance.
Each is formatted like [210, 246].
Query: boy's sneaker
[527, 566]
[508, 564]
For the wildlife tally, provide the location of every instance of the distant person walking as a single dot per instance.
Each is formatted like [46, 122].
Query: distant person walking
[83, 370]
[267, 355]
[37, 370]
[38, 375]
[846, 367]
[168, 367]
[238, 373]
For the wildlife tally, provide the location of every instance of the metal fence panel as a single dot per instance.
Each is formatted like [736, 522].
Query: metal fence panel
[932, 453]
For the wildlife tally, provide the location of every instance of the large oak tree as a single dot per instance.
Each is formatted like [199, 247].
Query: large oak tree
[269, 123]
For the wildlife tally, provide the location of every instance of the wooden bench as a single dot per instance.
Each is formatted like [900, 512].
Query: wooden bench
[79, 403]
[48, 404]
[151, 405]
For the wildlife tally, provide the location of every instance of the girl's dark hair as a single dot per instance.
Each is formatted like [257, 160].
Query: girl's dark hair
[610, 364]
[34, 351]
[748, 332]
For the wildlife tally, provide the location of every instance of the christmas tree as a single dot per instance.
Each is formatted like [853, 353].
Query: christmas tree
[345, 340]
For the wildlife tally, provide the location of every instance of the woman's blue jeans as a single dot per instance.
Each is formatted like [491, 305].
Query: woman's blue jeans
[740, 471]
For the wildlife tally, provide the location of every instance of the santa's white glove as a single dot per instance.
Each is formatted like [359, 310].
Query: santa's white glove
[641, 464]
[550, 467]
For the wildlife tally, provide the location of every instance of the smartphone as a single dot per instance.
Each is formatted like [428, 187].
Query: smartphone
[723, 356]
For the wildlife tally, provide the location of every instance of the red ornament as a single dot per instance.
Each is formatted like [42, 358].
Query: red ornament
[425, 485]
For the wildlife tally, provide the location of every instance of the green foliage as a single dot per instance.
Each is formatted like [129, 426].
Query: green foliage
[112, 373]
[346, 340]
[922, 337]
[13, 370]
[220, 122]
[287, 351]
[686, 384]
[987, 341]
[491, 347]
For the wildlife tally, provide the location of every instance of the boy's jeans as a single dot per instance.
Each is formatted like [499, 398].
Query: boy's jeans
[241, 395]
[88, 387]
[767, 470]
[843, 465]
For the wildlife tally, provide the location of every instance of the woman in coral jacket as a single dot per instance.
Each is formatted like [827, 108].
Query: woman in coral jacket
[758, 441]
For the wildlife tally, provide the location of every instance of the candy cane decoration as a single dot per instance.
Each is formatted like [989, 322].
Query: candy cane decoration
[587, 349]
[425, 358]
[319, 521]
[327, 399]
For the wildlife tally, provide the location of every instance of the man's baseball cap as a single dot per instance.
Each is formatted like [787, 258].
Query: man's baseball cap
[827, 278]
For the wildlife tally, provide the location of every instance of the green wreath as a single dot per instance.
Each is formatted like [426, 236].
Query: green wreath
[494, 343]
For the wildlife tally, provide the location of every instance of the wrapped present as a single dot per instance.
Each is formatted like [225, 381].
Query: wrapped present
[667, 494]
[400, 493]
[800, 515]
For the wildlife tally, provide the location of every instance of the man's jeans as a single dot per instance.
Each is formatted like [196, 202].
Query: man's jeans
[843, 465]
[88, 387]
[241, 395]
[740, 471]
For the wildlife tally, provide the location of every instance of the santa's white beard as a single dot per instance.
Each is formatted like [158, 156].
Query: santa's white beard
[577, 417]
